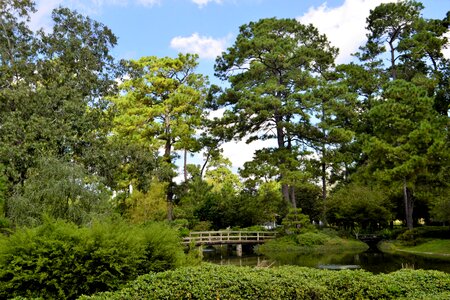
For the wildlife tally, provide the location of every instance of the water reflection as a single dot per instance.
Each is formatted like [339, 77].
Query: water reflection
[371, 260]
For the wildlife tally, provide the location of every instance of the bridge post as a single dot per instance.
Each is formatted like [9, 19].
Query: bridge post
[239, 250]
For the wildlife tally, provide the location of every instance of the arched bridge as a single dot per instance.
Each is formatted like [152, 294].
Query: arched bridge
[370, 239]
[227, 237]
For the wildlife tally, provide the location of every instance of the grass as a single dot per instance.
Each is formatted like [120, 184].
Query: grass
[432, 248]
[441, 247]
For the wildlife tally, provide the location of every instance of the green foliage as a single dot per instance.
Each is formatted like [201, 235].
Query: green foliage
[359, 205]
[231, 282]
[295, 221]
[309, 199]
[269, 66]
[63, 261]
[58, 107]
[161, 105]
[441, 206]
[408, 237]
[149, 206]
[419, 235]
[61, 190]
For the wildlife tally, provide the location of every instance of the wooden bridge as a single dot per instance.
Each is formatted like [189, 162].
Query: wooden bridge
[226, 237]
[370, 239]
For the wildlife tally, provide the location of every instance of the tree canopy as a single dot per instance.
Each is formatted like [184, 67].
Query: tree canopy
[83, 136]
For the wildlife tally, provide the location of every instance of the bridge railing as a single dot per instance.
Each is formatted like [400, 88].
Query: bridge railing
[227, 237]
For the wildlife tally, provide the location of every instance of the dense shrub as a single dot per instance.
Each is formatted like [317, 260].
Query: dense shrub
[288, 282]
[62, 261]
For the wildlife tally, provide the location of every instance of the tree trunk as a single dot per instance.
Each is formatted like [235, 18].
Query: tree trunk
[393, 66]
[185, 165]
[324, 182]
[168, 160]
[294, 201]
[281, 145]
[408, 205]
[285, 191]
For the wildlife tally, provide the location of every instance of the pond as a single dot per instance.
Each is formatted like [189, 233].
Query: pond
[371, 260]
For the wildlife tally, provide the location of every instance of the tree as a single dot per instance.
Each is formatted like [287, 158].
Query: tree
[269, 67]
[60, 190]
[334, 110]
[413, 48]
[359, 205]
[161, 105]
[52, 89]
[149, 206]
[407, 136]
[387, 24]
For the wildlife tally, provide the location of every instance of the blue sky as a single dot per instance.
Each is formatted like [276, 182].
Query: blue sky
[166, 27]
[207, 27]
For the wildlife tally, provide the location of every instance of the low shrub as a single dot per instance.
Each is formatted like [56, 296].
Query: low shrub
[60, 260]
[312, 239]
[287, 282]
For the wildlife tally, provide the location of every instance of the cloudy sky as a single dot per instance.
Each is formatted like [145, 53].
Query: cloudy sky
[208, 27]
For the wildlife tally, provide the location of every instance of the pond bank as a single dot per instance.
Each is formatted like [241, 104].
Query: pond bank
[312, 242]
[430, 248]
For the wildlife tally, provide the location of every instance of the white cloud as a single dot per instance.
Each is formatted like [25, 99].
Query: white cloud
[446, 51]
[205, 47]
[148, 3]
[344, 25]
[202, 3]
[41, 19]
[240, 152]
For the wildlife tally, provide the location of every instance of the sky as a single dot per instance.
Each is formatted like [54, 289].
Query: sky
[208, 27]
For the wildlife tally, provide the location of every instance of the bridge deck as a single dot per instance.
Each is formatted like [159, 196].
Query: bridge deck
[228, 237]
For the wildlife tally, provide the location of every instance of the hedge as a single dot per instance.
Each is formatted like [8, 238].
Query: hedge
[286, 282]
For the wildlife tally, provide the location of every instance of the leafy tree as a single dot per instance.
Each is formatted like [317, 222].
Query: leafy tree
[192, 198]
[149, 206]
[269, 67]
[52, 94]
[61, 190]
[359, 205]
[161, 105]
[441, 206]
[220, 176]
[56, 108]
[268, 205]
[413, 48]
[309, 198]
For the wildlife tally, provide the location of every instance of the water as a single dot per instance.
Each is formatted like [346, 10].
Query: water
[371, 260]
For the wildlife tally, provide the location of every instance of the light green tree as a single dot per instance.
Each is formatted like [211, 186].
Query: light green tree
[161, 105]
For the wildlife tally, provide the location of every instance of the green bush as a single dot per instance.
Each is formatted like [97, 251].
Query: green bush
[312, 239]
[62, 261]
[287, 282]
